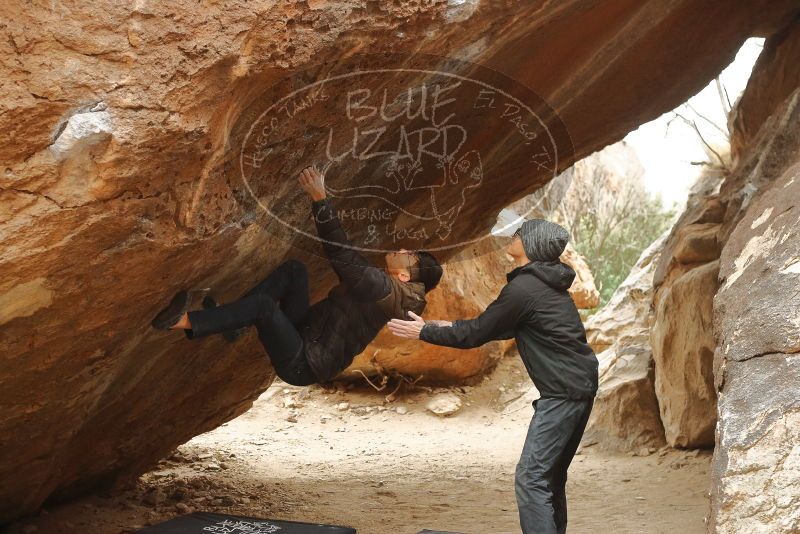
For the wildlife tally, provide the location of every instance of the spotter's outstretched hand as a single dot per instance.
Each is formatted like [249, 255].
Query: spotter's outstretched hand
[407, 329]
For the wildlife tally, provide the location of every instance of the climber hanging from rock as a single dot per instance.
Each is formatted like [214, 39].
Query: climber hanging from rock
[309, 344]
[536, 309]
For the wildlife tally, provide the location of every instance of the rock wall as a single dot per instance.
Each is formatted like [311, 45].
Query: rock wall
[756, 484]
[121, 131]
[683, 348]
[756, 468]
[682, 333]
[726, 331]
[626, 414]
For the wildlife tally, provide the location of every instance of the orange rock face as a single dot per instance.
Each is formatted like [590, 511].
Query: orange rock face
[126, 131]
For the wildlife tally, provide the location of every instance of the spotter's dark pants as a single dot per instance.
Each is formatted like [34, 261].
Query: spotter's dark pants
[541, 476]
[277, 307]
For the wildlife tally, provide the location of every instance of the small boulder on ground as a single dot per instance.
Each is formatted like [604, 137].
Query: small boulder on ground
[444, 404]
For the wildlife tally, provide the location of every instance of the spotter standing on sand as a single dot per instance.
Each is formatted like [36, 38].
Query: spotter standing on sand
[312, 344]
[535, 308]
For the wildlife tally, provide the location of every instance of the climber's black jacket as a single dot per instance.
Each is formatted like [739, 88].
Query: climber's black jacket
[341, 326]
[535, 308]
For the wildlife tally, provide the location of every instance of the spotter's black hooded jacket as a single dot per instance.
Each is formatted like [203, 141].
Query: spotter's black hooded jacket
[536, 309]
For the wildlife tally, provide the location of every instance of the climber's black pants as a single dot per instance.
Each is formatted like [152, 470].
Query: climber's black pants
[277, 307]
[541, 478]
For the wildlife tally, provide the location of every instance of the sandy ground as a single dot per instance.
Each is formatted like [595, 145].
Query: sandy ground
[301, 454]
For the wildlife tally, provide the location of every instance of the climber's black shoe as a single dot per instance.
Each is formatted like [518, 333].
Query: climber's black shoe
[170, 315]
[229, 335]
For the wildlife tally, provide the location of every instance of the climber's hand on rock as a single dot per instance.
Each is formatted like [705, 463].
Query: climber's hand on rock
[313, 182]
[407, 329]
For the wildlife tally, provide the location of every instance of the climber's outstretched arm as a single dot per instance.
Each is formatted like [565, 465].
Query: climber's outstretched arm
[365, 281]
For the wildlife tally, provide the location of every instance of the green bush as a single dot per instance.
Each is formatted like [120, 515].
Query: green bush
[611, 238]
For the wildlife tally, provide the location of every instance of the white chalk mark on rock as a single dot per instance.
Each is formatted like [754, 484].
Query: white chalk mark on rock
[758, 246]
[81, 132]
[761, 219]
[792, 267]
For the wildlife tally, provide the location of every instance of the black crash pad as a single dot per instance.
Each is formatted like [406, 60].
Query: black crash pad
[207, 523]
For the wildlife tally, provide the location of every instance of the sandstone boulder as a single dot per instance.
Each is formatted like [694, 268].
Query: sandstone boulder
[743, 218]
[683, 349]
[682, 332]
[444, 404]
[625, 415]
[697, 243]
[756, 468]
[125, 209]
